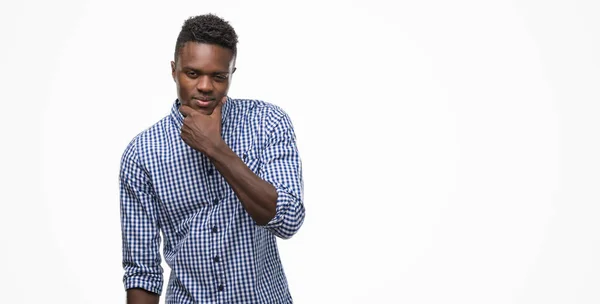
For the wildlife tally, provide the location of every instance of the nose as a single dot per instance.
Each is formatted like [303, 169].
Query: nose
[204, 84]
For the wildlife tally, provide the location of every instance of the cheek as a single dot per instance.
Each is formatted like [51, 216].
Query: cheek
[221, 87]
[185, 86]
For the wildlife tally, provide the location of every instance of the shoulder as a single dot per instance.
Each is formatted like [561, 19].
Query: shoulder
[257, 105]
[144, 140]
[257, 109]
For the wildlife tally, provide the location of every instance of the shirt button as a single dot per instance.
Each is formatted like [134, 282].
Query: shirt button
[216, 259]
[221, 287]
[215, 229]
[216, 201]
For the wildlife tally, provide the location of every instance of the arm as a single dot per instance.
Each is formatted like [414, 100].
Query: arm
[258, 197]
[141, 296]
[143, 277]
[274, 197]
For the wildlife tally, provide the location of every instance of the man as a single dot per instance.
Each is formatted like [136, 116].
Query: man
[220, 177]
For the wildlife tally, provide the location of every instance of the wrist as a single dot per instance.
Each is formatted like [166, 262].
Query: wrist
[219, 152]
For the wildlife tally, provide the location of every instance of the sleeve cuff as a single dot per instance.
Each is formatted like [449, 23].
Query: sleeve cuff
[144, 282]
[289, 215]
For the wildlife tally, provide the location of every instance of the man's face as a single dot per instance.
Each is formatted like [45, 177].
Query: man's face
[202, 74]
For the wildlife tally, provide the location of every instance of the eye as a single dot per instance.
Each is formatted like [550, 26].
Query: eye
[191, 74]
[220, 77]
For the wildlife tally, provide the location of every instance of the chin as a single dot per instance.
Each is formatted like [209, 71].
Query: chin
[207, 111]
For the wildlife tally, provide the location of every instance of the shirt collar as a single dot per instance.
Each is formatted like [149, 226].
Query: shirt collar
[178, 117]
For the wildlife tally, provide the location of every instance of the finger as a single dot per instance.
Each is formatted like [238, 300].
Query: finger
[185, 110]
[217, 111]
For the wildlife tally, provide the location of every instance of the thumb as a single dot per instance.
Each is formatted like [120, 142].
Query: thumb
[217, 111]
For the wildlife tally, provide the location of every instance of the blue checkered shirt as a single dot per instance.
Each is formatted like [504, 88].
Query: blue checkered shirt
[216, 252]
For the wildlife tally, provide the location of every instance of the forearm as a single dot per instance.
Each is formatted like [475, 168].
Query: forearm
[143, 277]
[141, 296]
[258, 197]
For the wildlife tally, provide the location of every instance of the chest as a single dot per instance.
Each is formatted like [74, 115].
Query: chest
[185, 181]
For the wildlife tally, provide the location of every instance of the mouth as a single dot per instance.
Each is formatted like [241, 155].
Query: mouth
[202, 102]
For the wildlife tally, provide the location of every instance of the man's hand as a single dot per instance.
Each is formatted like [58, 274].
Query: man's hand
[200, 131]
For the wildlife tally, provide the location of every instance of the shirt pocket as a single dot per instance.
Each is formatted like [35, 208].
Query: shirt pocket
[251, 158]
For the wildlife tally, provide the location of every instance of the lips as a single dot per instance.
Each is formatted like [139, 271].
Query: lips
[203, 102]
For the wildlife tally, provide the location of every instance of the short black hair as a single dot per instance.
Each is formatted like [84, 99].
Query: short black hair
[209, 29]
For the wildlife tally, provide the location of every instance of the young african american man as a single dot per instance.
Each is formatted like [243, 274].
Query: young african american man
[219, 177]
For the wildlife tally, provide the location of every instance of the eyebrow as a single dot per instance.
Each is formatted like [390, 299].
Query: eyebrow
[200, 71]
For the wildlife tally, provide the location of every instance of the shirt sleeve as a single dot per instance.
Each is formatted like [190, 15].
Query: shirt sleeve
[139, 226]
[282, 167]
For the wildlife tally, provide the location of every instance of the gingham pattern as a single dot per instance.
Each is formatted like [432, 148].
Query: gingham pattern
[216, 252]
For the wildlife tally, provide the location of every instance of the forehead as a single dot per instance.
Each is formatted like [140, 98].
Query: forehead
[204, 56]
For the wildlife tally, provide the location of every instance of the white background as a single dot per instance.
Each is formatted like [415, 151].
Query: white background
[451, 148]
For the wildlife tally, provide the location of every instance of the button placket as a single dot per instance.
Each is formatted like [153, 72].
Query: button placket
[216, 259]
[220, 278]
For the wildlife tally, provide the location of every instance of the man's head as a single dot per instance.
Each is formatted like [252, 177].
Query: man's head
[204, 61]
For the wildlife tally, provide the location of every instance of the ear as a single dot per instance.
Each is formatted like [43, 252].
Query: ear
[173, 70]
